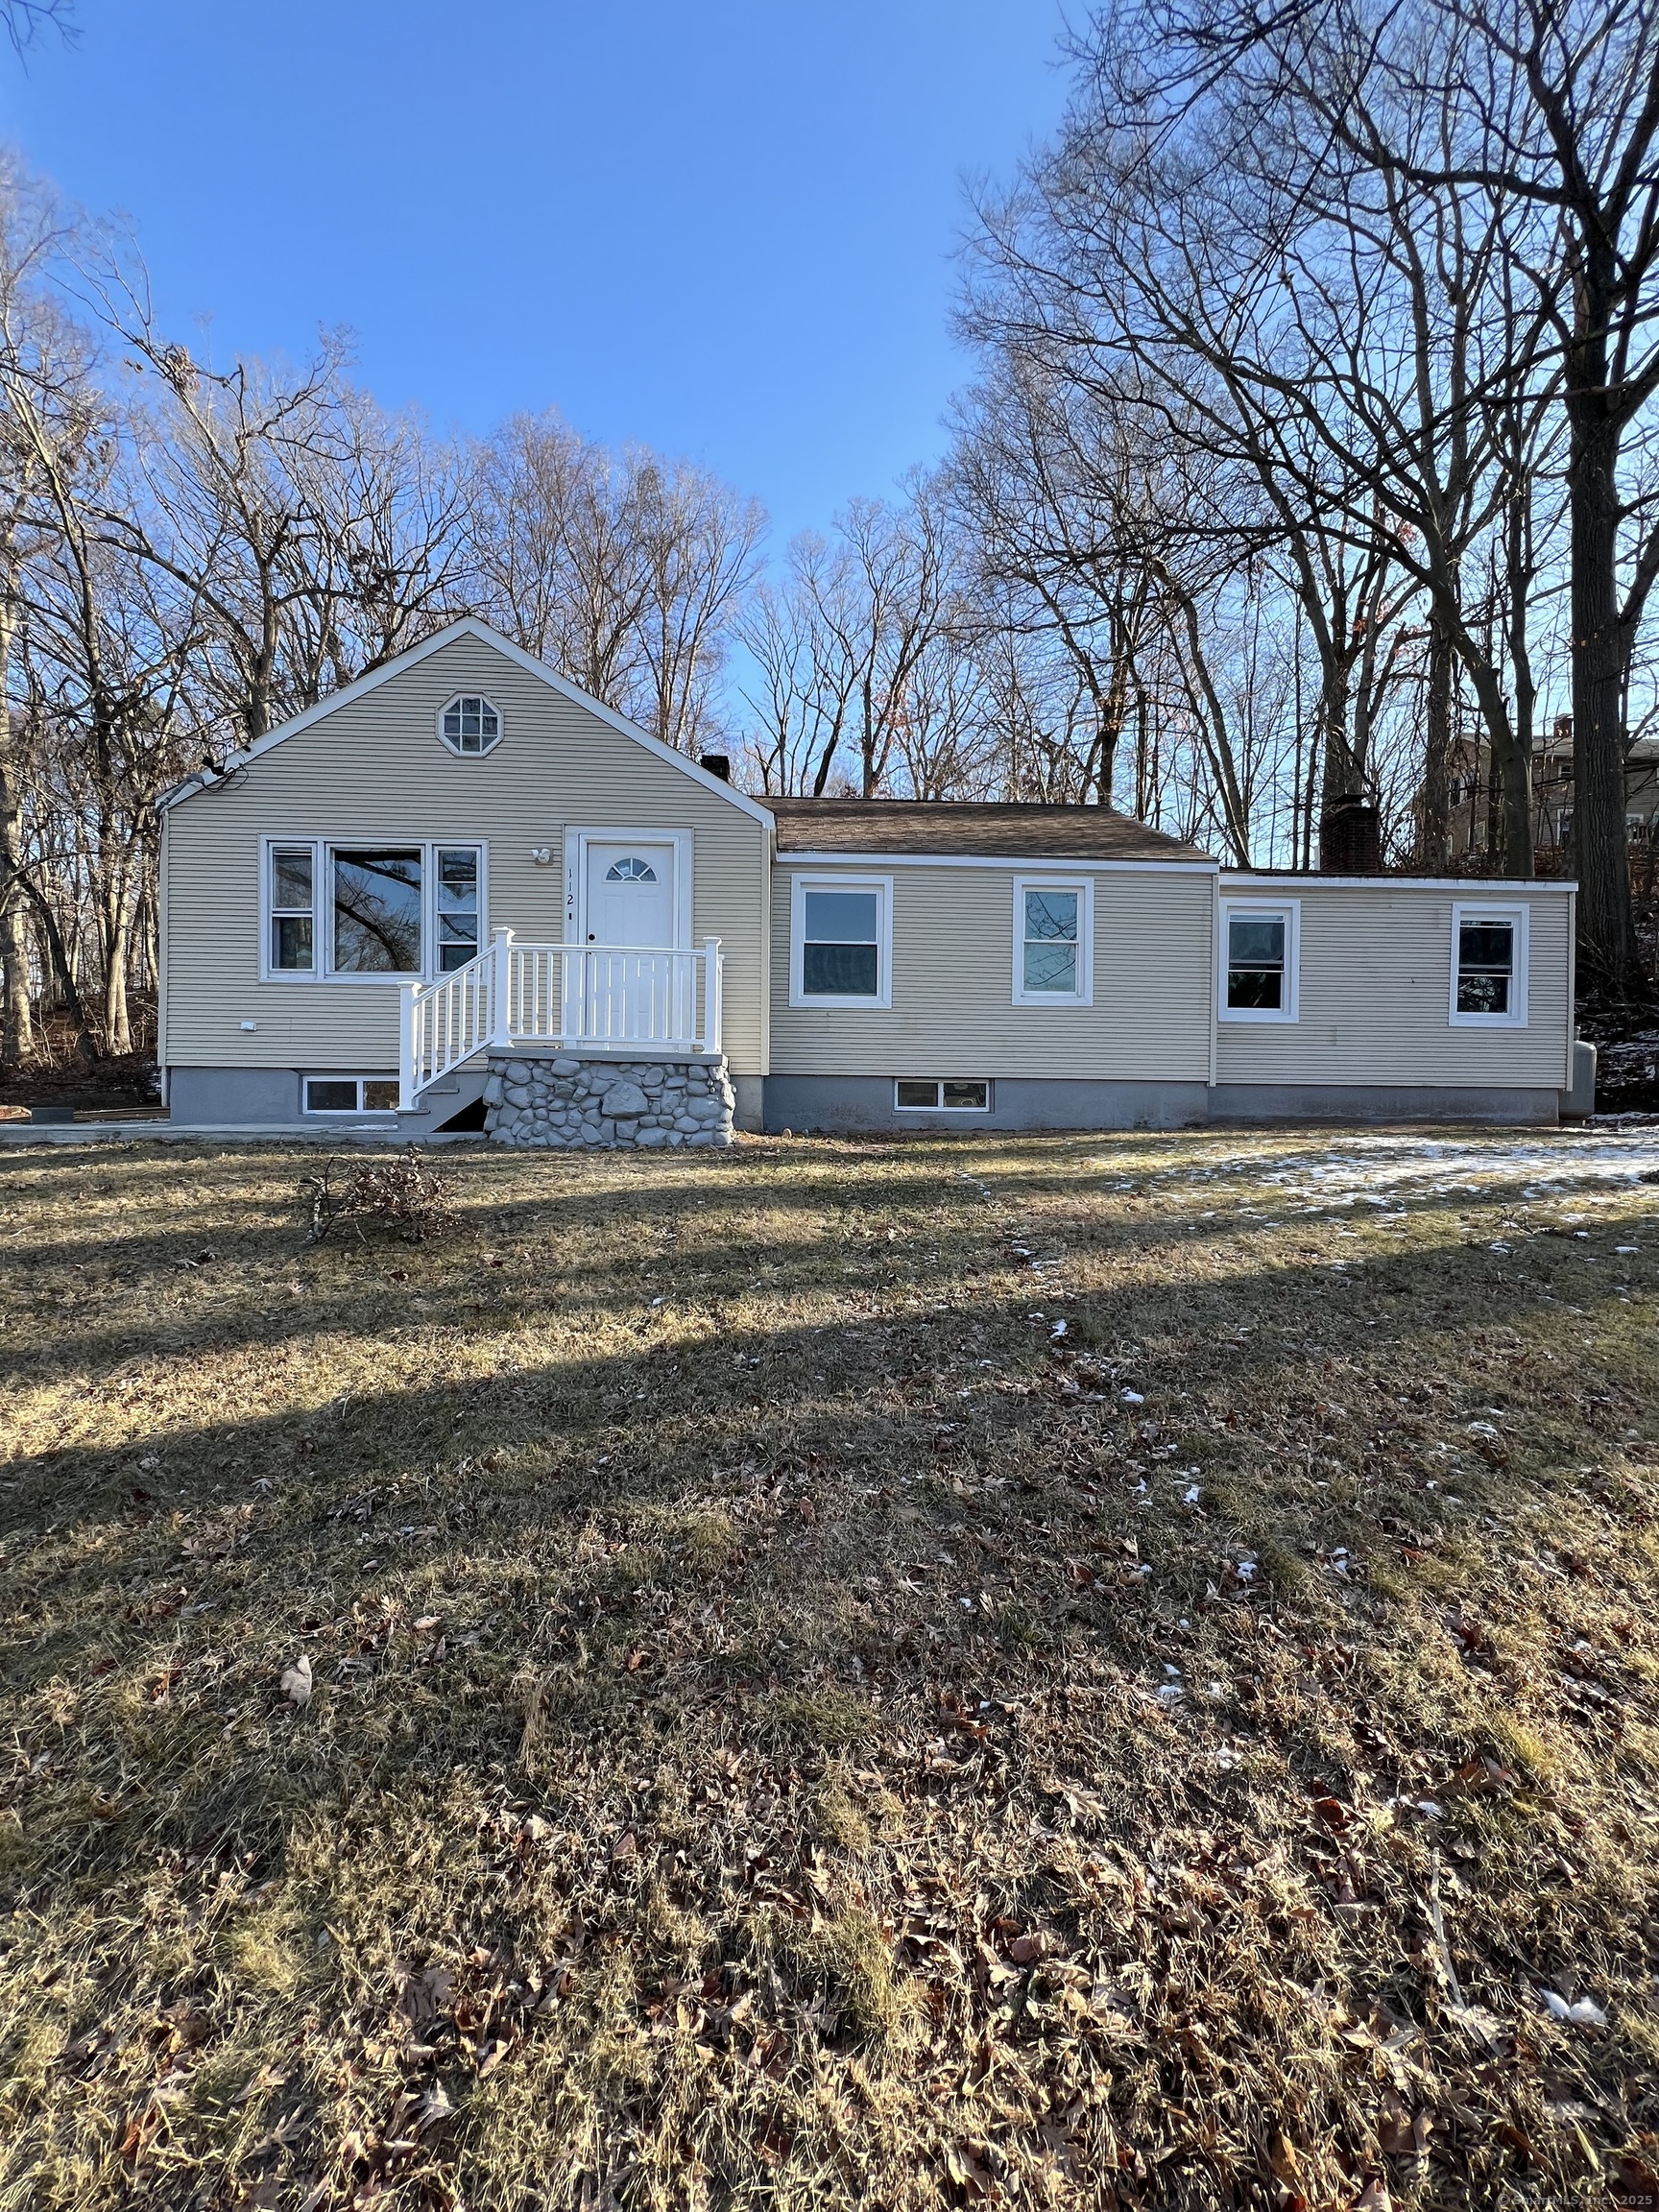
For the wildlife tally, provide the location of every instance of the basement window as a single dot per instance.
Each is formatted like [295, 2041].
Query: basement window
[941, 1098]
[351, 1093]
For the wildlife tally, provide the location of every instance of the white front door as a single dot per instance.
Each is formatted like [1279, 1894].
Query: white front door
[630, 996]
[630, 895]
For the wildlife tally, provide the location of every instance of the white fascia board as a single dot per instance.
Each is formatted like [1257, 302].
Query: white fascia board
[470, 626]
[1028, 863]
[1291, 879]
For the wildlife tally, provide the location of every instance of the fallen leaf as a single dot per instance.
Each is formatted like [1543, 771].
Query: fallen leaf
[297, 1680]
[1633, 2186]
[1041, 1944]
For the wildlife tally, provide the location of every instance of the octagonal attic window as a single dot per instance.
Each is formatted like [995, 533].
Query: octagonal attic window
[469, 724]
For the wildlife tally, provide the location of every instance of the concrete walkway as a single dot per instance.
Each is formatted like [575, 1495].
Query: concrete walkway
[17, 1134]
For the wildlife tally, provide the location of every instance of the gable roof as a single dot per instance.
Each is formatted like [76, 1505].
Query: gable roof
[971, 828]
[469, 626]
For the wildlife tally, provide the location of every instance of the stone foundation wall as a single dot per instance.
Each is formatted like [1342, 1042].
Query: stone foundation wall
[587, 1104]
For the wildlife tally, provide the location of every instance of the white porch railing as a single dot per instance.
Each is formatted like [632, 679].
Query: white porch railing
[564, 996]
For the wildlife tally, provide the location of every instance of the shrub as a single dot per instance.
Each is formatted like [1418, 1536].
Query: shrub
[404, 1194]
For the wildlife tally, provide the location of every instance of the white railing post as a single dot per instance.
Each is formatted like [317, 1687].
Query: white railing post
[408, 1075]
[711, 994]
[500, 1020]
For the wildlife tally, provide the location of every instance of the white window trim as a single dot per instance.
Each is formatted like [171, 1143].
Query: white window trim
[577, 840]
[1497, 910]
[322, 905]
[882, 886]
[1084, 995]
[454, 751]
[1290, 909]
[939, 1106]
[344, 1076]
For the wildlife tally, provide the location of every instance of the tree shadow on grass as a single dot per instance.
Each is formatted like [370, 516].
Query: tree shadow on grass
[762, 1652]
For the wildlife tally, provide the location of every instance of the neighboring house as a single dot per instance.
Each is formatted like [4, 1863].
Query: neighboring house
[459, 893]
[1473, 801]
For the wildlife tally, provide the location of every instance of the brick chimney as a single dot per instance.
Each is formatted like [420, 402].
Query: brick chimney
[1351, 836]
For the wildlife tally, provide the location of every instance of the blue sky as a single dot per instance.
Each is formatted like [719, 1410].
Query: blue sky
[724, 227]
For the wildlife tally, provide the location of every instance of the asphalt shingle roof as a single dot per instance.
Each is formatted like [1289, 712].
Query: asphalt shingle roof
[972, 827]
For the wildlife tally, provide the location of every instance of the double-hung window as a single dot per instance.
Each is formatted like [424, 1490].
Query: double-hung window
[840, 950]
[455, 900]
[1053, 947]
[1260, 955]
[1488, 966]
[362, 910]
[293, 941]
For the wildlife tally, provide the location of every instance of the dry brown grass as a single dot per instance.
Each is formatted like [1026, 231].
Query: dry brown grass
[735, 1772]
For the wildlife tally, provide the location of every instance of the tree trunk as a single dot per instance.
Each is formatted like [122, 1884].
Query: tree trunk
[16, 1016]
[1434, 845]
[117, 1030]
[62, 969]
[1607, 949]
[16, 1019]
[1511, 772]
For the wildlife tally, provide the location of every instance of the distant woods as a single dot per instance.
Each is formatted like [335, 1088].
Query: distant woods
[1308, 459]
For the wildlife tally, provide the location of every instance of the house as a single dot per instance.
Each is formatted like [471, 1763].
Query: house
[1473, 804]
[461, 893]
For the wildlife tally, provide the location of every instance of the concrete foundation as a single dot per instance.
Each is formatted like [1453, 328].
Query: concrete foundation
[269, 1098]
[851, 1104]
[225, 1100]
[862, 1104]
[1515, 1107]
[226, 1097]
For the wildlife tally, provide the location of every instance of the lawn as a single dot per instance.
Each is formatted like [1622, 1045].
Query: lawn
[1065, 1671]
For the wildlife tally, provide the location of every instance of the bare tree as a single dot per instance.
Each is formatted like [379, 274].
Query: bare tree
[856, 653]
[1328, 324]
[310, 536]
[624, 570]
[1552, 114]
[24, 21]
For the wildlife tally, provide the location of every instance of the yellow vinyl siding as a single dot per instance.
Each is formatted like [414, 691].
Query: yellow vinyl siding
[952, 1011]
[1375, 982]
[375, 769]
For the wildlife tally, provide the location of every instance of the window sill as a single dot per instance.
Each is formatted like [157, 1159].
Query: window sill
[354, 982]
